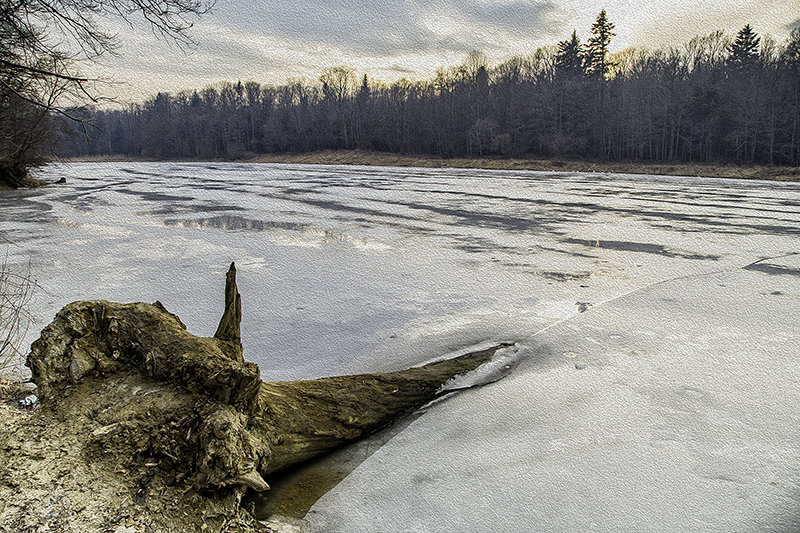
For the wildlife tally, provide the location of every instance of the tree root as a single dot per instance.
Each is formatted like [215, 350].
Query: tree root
[195, 407]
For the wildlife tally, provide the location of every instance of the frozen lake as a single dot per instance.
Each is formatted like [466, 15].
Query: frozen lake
[657, 319]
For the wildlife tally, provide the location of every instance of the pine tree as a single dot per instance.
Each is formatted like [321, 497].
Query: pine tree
[569, 58]
[744, 50]
[597, 48]
[363, 92]
[362, 122]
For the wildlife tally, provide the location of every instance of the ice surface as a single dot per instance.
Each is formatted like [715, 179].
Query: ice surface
[653, 386]
[683, 419]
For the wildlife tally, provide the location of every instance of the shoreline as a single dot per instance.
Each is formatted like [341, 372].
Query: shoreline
[366, 158]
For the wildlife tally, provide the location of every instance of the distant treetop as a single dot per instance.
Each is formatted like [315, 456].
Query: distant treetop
[569, 58]
[597, 47]
[744, 50]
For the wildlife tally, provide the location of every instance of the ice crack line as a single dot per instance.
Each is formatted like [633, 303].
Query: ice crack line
[766, 259]
[600, 304]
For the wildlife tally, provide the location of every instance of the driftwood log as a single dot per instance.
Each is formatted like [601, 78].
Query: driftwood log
[195, 407]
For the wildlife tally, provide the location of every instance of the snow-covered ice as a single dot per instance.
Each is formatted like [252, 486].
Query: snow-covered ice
[654, 381]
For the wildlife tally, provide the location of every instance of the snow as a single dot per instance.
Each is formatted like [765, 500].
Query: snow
[653, 383]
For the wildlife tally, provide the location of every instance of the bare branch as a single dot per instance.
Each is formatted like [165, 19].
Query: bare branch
[16, 291]
[48, 73]
[41, 42]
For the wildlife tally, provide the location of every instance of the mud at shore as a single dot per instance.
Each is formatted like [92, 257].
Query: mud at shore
[51, 481]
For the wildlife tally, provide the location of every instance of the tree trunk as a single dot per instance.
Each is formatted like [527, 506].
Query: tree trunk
[196, 400]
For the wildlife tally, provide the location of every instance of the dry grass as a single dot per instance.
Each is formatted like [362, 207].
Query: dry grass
[361, 157]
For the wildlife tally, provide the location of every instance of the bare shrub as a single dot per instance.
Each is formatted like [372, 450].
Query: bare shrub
[16, 290]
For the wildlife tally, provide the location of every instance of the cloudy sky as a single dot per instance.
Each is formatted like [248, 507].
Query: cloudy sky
[273, 41]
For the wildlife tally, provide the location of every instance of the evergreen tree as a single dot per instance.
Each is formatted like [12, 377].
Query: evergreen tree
[361, 132]
[744, 50]
[597, 48]
[569, 58]
[363, 92]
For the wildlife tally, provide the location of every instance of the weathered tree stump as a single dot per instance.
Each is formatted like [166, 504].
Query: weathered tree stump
[196, 406]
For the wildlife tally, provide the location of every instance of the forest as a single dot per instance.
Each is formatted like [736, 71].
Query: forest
[718, 98]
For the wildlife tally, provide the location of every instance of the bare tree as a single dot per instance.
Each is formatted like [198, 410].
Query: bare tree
[45, 38]
[338, 88]
[43, 43]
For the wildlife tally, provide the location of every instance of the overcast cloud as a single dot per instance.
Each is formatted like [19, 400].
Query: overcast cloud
[388, 39]
[391, 27]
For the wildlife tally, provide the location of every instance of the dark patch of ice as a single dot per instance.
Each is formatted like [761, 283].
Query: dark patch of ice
[774, 270]
[644, 247]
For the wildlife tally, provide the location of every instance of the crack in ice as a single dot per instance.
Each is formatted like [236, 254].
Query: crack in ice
[596, 306]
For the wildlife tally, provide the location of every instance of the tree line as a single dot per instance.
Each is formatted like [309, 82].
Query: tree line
[715, 99]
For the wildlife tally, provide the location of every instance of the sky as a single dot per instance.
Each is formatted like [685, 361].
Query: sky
[272, 42]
